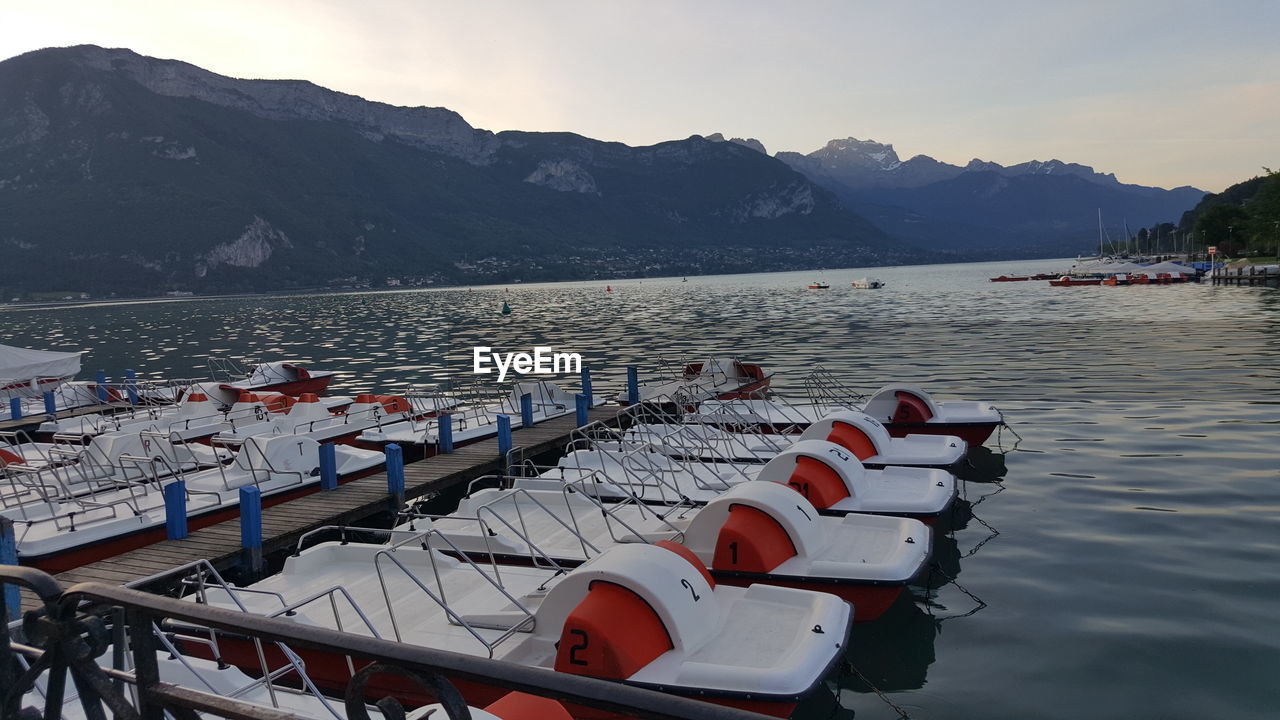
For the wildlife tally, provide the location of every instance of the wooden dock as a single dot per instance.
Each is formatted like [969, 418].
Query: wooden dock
[1267, 276]
[284, 524]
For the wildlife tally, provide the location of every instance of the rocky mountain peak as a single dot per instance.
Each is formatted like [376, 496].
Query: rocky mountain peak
[865, 153]
[438, 129]
[752, 143]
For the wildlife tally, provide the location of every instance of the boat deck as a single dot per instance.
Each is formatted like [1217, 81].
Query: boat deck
[284, 524]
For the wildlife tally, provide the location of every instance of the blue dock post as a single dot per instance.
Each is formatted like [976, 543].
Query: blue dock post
[50, 404]
[328, 467]
[251, 525]
[395, 472]
[15, 408]
[583, 402]
[131, 385]
[586, 381]
[9, 556]
[504, 435]
[444, 435]
[175, 509]
[101, 380]
[633, 385]
[526, 410]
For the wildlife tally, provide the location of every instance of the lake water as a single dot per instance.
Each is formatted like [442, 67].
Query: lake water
[1127, 553]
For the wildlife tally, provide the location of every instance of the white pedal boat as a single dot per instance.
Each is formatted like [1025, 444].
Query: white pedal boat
[638, 614]
[713, 378]
[198, 415]
[471, 424]
[903, 409]
[66, 532]
[287, 378]
[755, 532]
[832, 479]
[858, 432]
[108, 462]
[308, 417]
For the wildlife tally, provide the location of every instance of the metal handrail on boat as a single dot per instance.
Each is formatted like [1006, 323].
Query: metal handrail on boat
[424, 540]
[69, 630]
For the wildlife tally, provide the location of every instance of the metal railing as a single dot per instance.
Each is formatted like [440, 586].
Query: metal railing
[70, 632]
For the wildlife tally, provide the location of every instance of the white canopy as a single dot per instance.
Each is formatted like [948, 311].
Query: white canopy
[1168, 267]
[23, 365]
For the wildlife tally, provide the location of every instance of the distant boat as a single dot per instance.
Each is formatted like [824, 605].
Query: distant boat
[1068, 281]
[1009, 278]
[819, 285]
[868, 284]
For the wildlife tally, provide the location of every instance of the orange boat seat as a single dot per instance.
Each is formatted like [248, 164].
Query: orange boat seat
[752, 541]
[817, 482]
[852, 438]
[911, 409]
[612, 634]
[278, 403]
[394, 404]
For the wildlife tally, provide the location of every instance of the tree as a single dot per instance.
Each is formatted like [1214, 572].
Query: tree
[1224, 226]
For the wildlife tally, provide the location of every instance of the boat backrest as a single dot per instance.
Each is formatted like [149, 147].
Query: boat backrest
[277, 403]
[822, 471]
[793, 522]
[856, 431]
[280, 453]
[196, 405]
[887, 402]
[544, 394]
[308, 408]
[751, 541]
[656, 580]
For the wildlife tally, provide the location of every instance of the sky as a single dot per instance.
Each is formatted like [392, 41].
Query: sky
[1167, 93]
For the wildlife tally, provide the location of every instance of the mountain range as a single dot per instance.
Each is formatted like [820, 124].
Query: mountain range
[131, 175]
[1032, 207]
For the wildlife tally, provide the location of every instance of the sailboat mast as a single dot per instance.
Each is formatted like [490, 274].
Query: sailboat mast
[1099, 233]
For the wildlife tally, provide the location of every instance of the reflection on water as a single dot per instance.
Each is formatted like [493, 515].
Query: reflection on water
[1134, 573]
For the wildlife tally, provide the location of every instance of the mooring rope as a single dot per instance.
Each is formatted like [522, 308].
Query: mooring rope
[885, 698]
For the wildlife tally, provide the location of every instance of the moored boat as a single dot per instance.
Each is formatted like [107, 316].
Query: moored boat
[284, 377]
[1068, 281]
[640, 615]
[867, 284]
[716, 377]
[755, 532]
[66, 530]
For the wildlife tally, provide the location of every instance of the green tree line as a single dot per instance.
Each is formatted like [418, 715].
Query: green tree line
[1242, 220]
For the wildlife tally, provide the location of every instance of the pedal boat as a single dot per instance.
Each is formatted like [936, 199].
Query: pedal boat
[859, 433]
[827, 474]
[721, 378]
[421, 436]
[903, 410]
[755, 532]
[286, 378]
[62, 533]
[637, 614]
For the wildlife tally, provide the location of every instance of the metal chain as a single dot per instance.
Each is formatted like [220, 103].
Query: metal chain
[885, 698]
